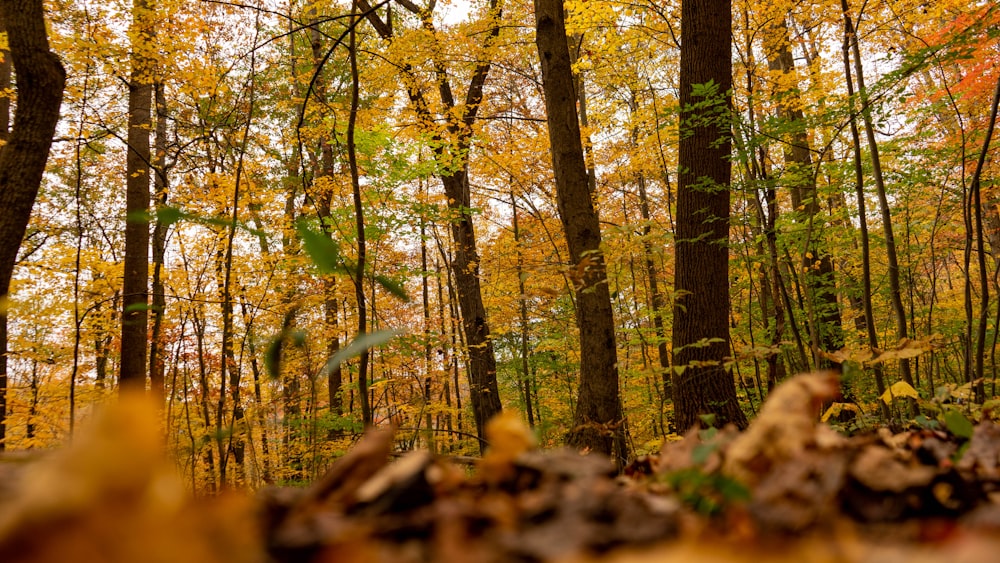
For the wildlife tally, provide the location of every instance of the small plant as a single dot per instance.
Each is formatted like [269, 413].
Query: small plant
[706, 493]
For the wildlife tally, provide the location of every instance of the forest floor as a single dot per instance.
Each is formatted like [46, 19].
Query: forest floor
[786, 489]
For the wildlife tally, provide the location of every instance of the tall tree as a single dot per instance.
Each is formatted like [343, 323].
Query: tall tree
[359, 216]
[598, 422]
[135, 281]
[40, 81]
[817, 264]
[895, 287]
[452, 145]
[702, 383]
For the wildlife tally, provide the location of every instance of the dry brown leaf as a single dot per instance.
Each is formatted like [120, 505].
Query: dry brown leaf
[785, 426]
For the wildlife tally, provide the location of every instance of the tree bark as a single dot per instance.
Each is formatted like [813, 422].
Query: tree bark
[157, 359]
[895, 292]
[598, 420]
[484, 392]
[135, 282]
[40, 81]
[859, 189]
[702, 383]
[822, 307]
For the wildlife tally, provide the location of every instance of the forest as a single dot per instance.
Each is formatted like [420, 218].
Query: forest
[290, 221]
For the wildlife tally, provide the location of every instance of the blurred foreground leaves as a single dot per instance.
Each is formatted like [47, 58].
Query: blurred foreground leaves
[787, 489]
[112, 495]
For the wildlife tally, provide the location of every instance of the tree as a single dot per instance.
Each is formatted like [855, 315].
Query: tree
[598, 420]
[40, 81]
[817, 264]
[135, 282]
[702, 382]
[451, 146]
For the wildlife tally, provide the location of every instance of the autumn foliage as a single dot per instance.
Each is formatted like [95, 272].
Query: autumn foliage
[305, 213]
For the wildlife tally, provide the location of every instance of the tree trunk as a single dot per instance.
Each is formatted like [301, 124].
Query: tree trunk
[40, 81]
[702, 383]
[824, 312]
[525, 383]
[895, 291]
[483, 389]
[859, 188]
[135, 281]
[598, 419]
[359, 217]
[157, 361]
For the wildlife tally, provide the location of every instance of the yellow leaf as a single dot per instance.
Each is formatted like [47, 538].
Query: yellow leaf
[899, 389]
[837, 408]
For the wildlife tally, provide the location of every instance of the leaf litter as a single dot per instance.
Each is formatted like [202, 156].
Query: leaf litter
[786, 489]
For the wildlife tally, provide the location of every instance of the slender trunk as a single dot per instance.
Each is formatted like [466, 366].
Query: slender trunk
[800, 176]
[890, 240]
[258, 397]
[523, 314]
[359, 217]
[204, 392]
[859, 186]
[323, 207]
[157, 364]
[425, 307]
[984, 288]
[657, 299]
[483, 388]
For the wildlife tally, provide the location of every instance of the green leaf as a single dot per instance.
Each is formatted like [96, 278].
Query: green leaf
[701, 452]
[957, 424]
[276, 347]
[137, 307]
[169, 215]
[356, 348]
[324, 252]
[137, 217]
[394, 287]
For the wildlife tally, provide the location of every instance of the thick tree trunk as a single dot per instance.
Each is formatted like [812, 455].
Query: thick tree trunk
[598, 420]
[40, 81]
[135, 282]
[702, 383]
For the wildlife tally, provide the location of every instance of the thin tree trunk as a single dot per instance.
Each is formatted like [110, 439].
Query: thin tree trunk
[359, 217]
[984, 288]
[890, 240]
[859, 186]
[816, 261]
[523, 314]
[483, 389]
[657, 299]
[157, 363]
[204, 392]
